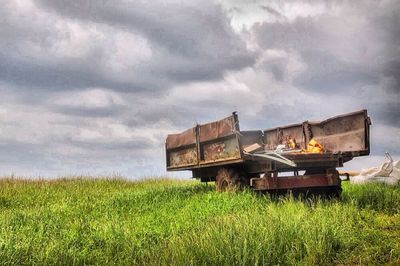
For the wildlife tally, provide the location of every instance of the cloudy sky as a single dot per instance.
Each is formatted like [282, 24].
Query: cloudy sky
[93, 87]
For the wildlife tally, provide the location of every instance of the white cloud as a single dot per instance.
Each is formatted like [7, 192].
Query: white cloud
[127, 52]
[90, 98]
[244, 14]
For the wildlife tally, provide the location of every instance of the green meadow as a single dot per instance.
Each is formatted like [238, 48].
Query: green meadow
[171, 222]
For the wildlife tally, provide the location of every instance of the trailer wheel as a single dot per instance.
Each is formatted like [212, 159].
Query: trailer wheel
[227, 180]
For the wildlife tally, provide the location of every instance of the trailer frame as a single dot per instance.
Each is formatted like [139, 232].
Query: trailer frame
[208, 150]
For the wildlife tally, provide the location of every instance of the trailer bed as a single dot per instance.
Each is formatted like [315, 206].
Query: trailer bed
[222, 143]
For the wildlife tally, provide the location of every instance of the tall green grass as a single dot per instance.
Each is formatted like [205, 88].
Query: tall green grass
[163, 222]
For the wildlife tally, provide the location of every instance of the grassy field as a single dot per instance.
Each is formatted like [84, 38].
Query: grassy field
[83, 221]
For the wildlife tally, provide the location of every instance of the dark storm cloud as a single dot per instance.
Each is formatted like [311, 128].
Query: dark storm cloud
[67, 74]
[327, 74]
[277, 67]
[271, 11]
[392, 69]
[301, 33]
[340, 50]
[353, 56]
[136, 145]
[25, 155]
[31, 72]
[188, 42]
[387, 113]
[176, 115]
[183, 28]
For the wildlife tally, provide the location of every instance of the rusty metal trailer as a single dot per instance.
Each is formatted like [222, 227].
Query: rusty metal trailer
[273, 159]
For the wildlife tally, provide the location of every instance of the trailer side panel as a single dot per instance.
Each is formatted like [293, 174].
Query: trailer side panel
[215, 143]
[346, 134]
[218, 141]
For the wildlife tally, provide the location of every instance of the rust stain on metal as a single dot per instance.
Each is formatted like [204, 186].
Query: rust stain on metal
[183, 157]
[217, 129]
[221, 150]
[187, 137]
[342, 133]
[291, 182]
[345, 133]
[216, 141]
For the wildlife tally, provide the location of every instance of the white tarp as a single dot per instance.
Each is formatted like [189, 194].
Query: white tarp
[388, 173]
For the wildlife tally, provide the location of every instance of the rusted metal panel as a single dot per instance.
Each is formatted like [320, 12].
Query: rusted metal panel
[212, 143]
[226, 161]
[185, 157]
[347, 133]
[250, 137]
[217, 129]
[187, 137]
[221, 150]
[282, 135]
[313, 159]
[271, 139]
[295, 182]
[302, 161]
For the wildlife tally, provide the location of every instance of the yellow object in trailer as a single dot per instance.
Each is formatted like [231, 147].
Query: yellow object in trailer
[314, 147]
